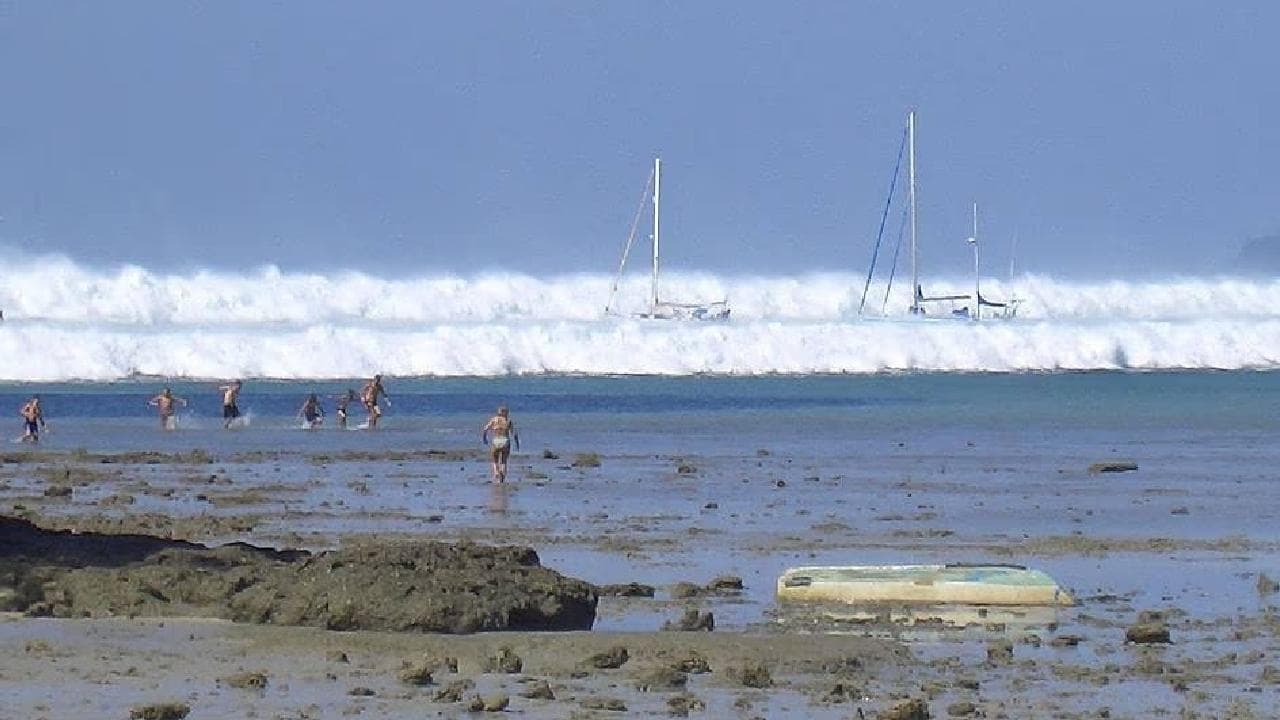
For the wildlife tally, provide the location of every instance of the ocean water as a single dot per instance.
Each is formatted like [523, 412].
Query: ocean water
[68, 322]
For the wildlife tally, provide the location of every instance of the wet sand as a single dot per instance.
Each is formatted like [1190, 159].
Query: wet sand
[1168, 537]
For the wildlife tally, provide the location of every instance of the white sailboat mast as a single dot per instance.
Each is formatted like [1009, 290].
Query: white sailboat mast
[657, 201]
[911, 175]
[977, 287]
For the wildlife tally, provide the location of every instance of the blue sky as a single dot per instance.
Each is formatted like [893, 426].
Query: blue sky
[1111, 138]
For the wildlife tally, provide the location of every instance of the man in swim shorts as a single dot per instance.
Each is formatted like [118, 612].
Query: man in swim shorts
[372, 392]
[341, 408]
[230, 400]
[33, 419]
[504, 432]
[164, 403]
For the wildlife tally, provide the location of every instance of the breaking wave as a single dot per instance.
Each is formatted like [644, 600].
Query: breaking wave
[65, 321]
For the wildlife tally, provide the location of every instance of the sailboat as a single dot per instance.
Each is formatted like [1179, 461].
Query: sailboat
[660, 309]
[919, 301]
[998, 310]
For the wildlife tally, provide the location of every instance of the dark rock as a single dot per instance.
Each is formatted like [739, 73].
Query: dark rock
[541, 690]
[631, 589]
[586, 460]
[336, 656]
[475, 704]
[684, 590]
[1146, 633]
[711, 506]
[417, 672]
[1114, 466]
[160, 711]
[752, 675]
[496, 703]
[58, 491]
[999, 652]
[686, 469]
[246, 681]
[604, 703]
[1267, 586]
[693, 663]
[1062, 641]
[682, 705]
[962, 708]
[505, 661]
[611, 659]
[725, 585]
[454, 691]
[549, 455]
[361, 692]
[414, 586]
[692, 620]
[907, 710]
[662, 678]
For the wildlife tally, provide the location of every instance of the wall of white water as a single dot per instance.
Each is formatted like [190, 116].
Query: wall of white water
[65, 321]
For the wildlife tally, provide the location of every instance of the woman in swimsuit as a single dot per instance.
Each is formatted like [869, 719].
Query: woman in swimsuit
[504, 432]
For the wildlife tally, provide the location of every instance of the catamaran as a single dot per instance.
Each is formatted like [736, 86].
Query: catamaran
[919, 301]
[661, 309]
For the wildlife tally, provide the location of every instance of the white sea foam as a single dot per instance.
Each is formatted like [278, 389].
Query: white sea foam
[66, 321]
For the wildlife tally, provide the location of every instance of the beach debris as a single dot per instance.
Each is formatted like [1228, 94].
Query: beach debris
[361, 691]
[684, 590]
[1112, 466]
[685, 468]
[631, 589]
[711, 506]
[160, 711]
[752, 675]
[454, 691]
[915, 709]
[246, 681]
[548, 454]
[1063, 641]
[1149, 629]
[604, 703]
[611, 659]
[496, 703]
[693, 663]
[1267, 586]
[725, 585]
[58, 491]
[692, 621]
[586, 460]
[662, 678]
[336, 656]
[962, 708]
[683, 704]
[541, 690]
[506, 661]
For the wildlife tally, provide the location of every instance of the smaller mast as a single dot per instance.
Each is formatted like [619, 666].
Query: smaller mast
[657, 201]
[977, 286]
[911, 174]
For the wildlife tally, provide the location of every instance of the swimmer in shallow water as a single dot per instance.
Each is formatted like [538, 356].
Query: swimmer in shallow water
[165, 403]
[230, 402]
[33, 419]
[370, 395]
[341, 409]
[311, 411]
[504, 433]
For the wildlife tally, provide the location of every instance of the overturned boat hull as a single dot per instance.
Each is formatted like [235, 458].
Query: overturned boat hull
[940, 584]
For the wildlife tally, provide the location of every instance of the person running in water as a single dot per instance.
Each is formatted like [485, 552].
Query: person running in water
[230, 400]
[341, 410]
[164, 403]
[311, 411]
[33, 419]
[372, 392]
[504, 432]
